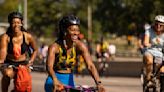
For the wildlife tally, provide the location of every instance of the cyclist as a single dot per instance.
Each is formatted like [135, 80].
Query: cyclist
[102, 55]
[153, 39]
[102, 50]
[98, 51]
[62, 56]
[14, 45]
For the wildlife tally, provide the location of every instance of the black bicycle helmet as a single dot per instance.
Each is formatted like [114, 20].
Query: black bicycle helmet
[66, 21]
[14, 15]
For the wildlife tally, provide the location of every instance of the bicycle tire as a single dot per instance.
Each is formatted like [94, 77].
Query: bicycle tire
[162, 83]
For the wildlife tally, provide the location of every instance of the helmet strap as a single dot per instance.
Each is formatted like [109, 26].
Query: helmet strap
[65, 44]
[65, 33]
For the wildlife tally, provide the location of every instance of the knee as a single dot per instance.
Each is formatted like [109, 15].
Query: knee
[148, 60]
[162, 70]
[9, 72]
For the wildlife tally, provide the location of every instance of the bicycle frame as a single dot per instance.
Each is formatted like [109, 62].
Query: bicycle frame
[158, 69]
[103, 66]
[80, 89]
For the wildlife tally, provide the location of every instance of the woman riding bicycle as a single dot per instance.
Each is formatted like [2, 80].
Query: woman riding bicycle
[14, 46]
[62, 57]
[154, 42]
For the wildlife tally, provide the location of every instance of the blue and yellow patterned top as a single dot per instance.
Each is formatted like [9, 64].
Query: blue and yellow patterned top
[65, 60]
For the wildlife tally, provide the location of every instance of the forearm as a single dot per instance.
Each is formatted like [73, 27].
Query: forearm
[33, 56]
[88, 60]
[1, 61]
[2, 56]
[146, 41]
[93, 71]
[52, 74]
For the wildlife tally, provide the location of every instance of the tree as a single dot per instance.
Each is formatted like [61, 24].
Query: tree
[108, 16]
[6, 7]
[43, 21]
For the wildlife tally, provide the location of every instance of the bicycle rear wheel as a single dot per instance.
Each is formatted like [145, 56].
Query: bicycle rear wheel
[150, 89]
[143, 80]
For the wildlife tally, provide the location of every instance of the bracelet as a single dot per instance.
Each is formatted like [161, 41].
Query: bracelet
[98, 82]
[30, 62]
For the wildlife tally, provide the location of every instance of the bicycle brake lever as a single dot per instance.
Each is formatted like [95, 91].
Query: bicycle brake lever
[31, 67]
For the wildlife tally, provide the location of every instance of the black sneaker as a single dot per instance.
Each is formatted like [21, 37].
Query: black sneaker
[150, 84]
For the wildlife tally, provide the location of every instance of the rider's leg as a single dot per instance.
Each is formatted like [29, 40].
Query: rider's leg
[162, 69]
[5, 82]
[148, 60]
[162, 80]
[8, 74]
[99, 59]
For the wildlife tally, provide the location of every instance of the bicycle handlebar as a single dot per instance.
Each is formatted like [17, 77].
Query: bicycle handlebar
[155, 46]
[5, 65]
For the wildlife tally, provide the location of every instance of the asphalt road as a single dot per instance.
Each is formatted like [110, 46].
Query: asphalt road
[111, 84]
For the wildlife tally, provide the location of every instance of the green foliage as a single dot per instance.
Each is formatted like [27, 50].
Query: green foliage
[108, 16]
[6, 7]
[44, 19]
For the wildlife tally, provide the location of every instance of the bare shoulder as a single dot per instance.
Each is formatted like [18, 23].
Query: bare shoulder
[28, 35]
[54, 47]
[81, 45]
[4, 37]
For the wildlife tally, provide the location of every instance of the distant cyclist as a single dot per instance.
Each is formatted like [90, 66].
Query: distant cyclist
[14, 46]
[62, 57]
[154, 42]
[102, 50]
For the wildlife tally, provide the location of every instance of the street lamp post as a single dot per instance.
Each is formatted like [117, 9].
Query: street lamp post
[2, 1]
[90, 28]
[89, 23]
[24, 11]
[25, 14]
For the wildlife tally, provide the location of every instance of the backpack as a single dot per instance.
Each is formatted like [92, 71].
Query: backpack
[23, 79]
